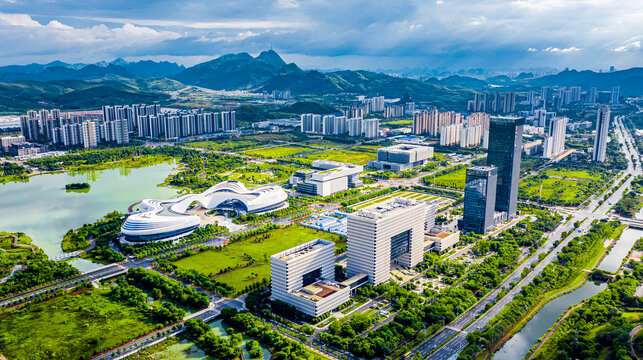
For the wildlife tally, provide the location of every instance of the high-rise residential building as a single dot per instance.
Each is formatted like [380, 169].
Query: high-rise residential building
[471, 136]
[394, 111]
[479, 199]
[602, 128]
[592, 95]
[377, 104]
[90, 134]
[616, 93]
[371, 128]
[505, 149]
[508, 102]
[420, 122]
[354, 126]
[555, 140]
[478, 118]
[304, 277]
[229, 121]
[382, 234]
[328, 124]
[450, 134]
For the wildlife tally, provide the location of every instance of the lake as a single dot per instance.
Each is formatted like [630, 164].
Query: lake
[42, 209]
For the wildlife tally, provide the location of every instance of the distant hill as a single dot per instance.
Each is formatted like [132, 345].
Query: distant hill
[58, 70]
[307, 107]
[233, 71]
[630, 80]
[460, 81]
[72, 94]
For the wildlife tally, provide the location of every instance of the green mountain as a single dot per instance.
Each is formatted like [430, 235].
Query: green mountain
[460, 81]
[73, 94]
[369, 83]
[233, 71]
[307, 107]
[630, 80]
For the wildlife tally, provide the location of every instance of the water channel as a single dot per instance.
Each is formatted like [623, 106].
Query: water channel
[42, 209]
[518, 346]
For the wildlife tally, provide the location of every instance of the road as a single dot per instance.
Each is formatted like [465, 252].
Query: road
[98, 274]
[594, 210]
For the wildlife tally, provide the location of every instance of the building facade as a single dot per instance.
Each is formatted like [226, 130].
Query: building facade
[480, 199]
[600, 139]
[382, 234]
[505, 149]
[304, 276]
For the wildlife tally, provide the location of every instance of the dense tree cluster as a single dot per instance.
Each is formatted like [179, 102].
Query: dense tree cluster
[212, 344]
[39, 271]
[631, 202]
[282, 347]
[172, 289]
[197, 278]
[11, 169]
[165, 313]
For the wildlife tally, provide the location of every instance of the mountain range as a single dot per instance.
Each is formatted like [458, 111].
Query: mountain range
[267, 72]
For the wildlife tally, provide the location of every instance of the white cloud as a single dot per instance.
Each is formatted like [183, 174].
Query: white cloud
[631, 45]
[563, 50]
[532, 50]
[19, 33]
[204, 25]
[238, 37]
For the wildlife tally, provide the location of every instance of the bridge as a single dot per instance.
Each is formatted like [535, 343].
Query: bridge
[633, 223]
[65, 256]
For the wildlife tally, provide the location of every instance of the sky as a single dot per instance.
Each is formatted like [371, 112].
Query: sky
[496, 35]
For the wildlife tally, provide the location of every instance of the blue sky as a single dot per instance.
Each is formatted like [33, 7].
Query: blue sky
[354, 34]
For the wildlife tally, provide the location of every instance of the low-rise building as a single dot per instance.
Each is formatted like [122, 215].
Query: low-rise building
[332, 177]
[304, 276]
[401, 157]
[6, 141]
[22, 149]
[439, 241]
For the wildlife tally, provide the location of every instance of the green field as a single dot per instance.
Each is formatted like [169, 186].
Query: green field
[572, 174]
[258, 174]
[453, 180]
[440, 201]
[347, 156]
[69, 327]
[225, 145]
[250, 258]
[278, 152]
[562, 191]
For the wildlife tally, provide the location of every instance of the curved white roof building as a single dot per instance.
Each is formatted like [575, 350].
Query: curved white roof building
[168, 220]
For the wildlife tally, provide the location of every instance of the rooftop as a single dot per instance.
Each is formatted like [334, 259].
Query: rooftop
[319, 290]
[302, 249]
[386, 209]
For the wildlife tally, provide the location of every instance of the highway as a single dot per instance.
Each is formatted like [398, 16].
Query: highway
[468, 322]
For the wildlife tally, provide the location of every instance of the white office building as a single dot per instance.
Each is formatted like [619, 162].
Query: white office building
[382, 234]
[600, 139]
[333, 177]
[304, 276]
[401, 157]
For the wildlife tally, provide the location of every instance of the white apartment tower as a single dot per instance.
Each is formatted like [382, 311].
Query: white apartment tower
[384, 233]
[555, 141]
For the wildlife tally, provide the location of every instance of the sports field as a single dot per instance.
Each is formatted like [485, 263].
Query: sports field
[250, 259]
[348, 156]
[440, 201]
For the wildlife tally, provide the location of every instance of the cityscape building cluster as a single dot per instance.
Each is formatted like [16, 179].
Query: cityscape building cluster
[340, 125]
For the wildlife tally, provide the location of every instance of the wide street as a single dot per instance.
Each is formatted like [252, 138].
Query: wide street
[468, 322]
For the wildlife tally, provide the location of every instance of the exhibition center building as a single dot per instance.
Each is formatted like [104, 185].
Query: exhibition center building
[164, 220]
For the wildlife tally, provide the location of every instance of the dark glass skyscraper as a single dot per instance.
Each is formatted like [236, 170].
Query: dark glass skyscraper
[479, 199]
[505, 147]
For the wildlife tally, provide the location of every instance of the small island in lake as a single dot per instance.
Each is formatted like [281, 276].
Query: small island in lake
[78, 187]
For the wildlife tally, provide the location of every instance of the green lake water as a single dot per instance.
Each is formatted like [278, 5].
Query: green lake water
[42, 209]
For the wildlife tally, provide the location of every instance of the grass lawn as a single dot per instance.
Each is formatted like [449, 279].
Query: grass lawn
[69, 327]
[348, 156]
[238, 255]
[453, 180]
[226, 145]
[278, 152]
[563, 190]
[367, 148]
[576, 174]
